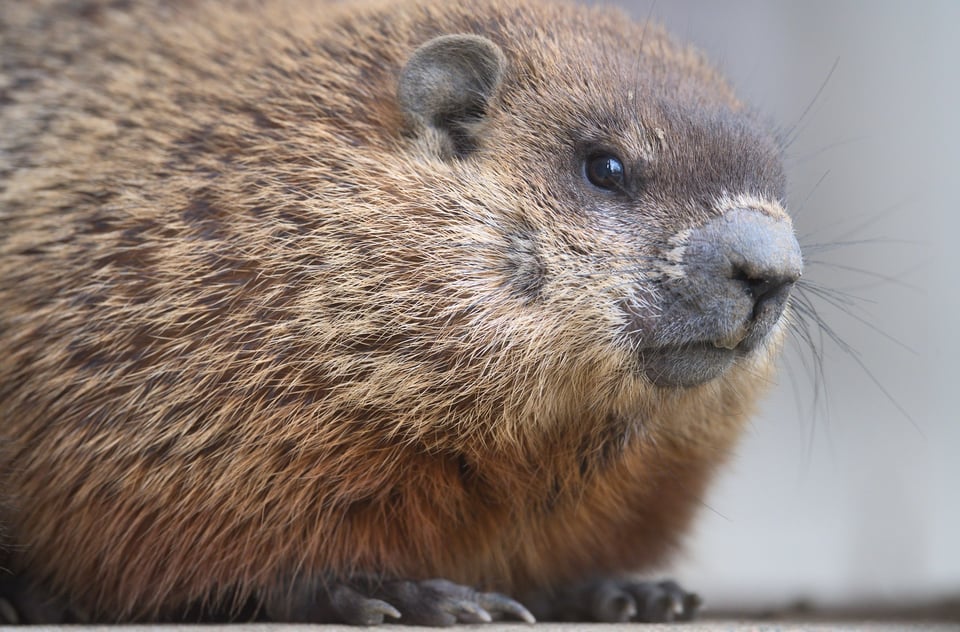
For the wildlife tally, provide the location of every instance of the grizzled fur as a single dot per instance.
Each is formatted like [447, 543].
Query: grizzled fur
[259, 323]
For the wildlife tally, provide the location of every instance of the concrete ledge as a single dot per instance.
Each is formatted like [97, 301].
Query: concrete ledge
[700, 626]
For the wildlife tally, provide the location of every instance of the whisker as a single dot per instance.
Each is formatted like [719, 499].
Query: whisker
[885, 278]
[831, 296]
[797, 160]
[807, 312]
[834, 245]
[805, 307]
[794, 132]
[799, 210]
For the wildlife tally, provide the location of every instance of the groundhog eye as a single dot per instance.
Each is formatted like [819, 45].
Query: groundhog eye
[605, 171]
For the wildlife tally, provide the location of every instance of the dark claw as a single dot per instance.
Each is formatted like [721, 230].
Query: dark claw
[499, 605]
[365, 601]
[691, 606]
[468, 612]
[689, 602]
[617, 601]
[657, 607]
[452, 599]
[25, 605]
[355, 609]
[662, 602]
[612, 604]
[8, 614]
[439, 602]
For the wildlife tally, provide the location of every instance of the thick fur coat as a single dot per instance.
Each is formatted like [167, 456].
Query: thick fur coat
[257, 322]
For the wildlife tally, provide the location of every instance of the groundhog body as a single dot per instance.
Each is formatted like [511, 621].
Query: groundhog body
[265, 322]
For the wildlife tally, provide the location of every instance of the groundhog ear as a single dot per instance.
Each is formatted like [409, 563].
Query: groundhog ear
[447, 83]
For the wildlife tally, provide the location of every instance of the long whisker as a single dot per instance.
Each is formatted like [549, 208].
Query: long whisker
[841, 301]
[885, 278]
[805, 308]
[794, 132]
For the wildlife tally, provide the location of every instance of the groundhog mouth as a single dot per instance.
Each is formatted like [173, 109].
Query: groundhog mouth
[685, 346]
[711, 349]
[688, 364]
[729, 289]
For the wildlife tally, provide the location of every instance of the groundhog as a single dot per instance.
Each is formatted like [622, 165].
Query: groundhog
[413, 311]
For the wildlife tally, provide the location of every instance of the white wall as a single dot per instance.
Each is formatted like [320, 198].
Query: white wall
[850, 498]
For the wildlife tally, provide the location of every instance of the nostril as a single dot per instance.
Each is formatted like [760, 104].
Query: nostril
[764, 289]
[756, 287]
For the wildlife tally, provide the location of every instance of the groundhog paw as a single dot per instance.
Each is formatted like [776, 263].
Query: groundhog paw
[351, 607]
[665, 601]
[619, 601]
[438, 602]
[433, 602]
[21, 604]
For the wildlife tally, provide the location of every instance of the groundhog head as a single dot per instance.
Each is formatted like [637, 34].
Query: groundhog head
[644, 201]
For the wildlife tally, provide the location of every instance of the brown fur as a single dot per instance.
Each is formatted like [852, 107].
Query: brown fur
[254, 325]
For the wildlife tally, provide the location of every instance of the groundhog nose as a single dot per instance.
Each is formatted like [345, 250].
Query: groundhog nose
[736, 274]
[743, 264]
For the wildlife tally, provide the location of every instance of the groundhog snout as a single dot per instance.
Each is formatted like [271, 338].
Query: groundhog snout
[739, 270]
[736, 274]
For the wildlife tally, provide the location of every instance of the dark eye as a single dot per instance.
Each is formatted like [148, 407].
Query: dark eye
[605, 171]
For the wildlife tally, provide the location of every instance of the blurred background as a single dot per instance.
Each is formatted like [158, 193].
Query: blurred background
[845, 488]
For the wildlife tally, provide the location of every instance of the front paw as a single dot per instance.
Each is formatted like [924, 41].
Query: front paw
[619, 601]
[433, 602]
[438, 602]
[653, 602]
[21, 603]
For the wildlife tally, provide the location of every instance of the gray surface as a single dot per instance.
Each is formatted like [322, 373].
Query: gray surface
[706, 626]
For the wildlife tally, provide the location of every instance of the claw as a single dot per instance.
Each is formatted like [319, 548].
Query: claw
[502, 605]
[685, 604]
[359, 610]
[612, 604]
[375, 610]
[664, 601]
[469, 612]
[8, 614]
[432, 602]
[617, 600]
[692, 603]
